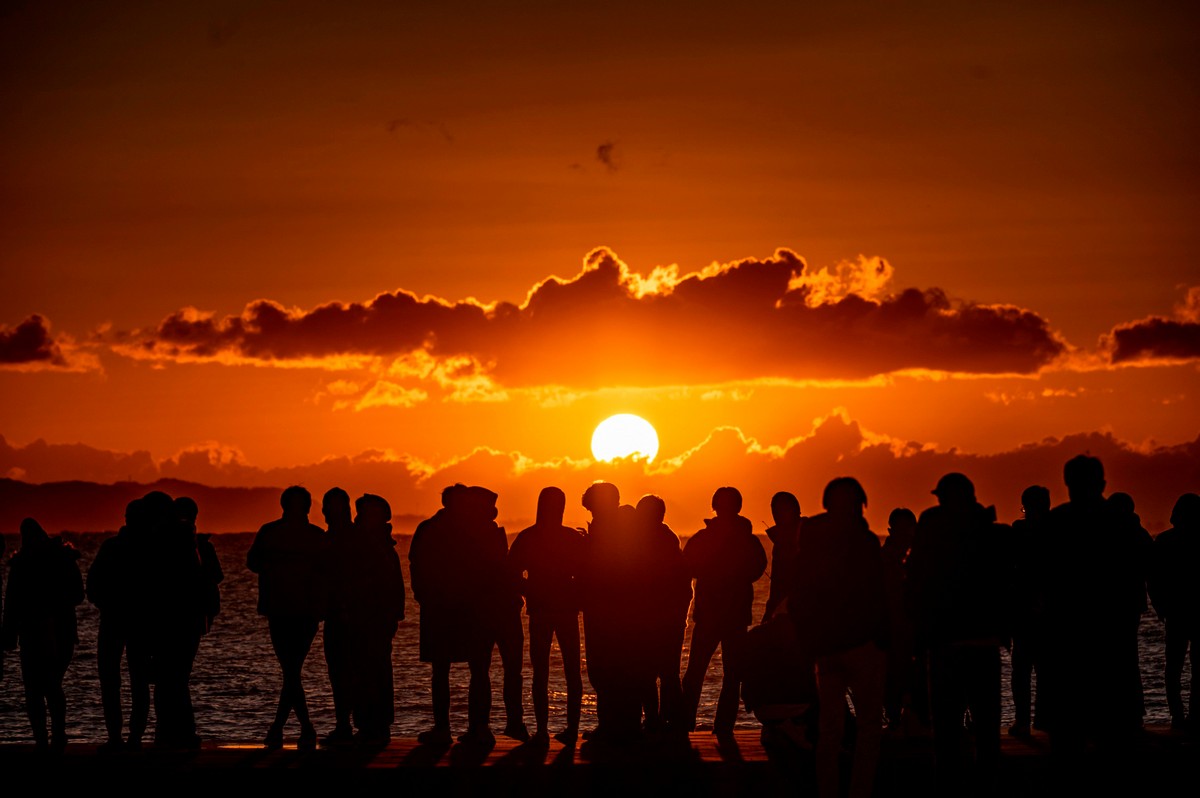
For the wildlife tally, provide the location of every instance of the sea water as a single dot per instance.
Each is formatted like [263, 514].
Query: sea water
[235, 683]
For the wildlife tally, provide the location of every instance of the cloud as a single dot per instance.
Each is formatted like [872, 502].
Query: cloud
[895, 473]
[30, 346]
[1158, 340]
[604, 154]
[610, 326]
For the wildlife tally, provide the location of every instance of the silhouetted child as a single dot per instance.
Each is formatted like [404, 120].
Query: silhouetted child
[959, 580]
[547, 558]
[288, 555]
[44, 587]
[335, 507]
[785, 511]
[726, 560]
[1175, 592]
[110, 582]
[838, 606]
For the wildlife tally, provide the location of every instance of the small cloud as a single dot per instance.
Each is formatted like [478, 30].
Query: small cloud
[29, 346]
[605, 155]
[1156, 339]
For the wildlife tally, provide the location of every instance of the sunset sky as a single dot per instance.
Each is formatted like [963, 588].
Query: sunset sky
[396, 245]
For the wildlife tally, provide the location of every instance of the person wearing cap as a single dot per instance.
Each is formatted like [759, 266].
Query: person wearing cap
[958, 577]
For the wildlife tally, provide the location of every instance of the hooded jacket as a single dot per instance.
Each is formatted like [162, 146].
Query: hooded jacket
[726, 560]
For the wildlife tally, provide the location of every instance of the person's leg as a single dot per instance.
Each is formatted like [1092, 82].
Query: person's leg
[138, 656]
[671, 691]
[511, 642]
[479, 693]
[56, 699]
[1193, 637]
[733, 642]
[541, 632]
[947, 706]
[110, 645]
[281, 642]
[1176, 650]
[866, 679]
[33, 681]
[704, 645]
[983, 698]
[440, 688]
[832, 682]
[567, 631]
[336, 661]
[1021, 683]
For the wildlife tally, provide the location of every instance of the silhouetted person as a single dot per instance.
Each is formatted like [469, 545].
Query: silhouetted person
[547, 559]
[110, 587]
[288, 556]
[959, 577]
[1175, 592]
[903, 687]
[1026, 610]
[600, 618]
[44, 587]
[458, 561]
[335, 507]
[726, 560]
[669, 594]
[368, 590]
[785, 511]
[839, 607]
[1093, 566]
[1139, 542]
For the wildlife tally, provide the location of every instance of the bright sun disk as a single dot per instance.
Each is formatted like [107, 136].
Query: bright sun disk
[624, 435]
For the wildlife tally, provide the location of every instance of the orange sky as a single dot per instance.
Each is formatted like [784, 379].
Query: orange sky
[282, 233]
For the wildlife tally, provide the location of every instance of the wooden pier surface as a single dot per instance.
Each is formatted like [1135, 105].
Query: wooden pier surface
[696, 765]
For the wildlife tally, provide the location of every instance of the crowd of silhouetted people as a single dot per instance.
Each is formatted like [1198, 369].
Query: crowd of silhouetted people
[910, 631]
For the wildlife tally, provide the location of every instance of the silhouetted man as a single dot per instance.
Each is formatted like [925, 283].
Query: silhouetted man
[1029, 541]
[288, 556]
[839, 608]
[335, 507]
[959, 577]
[44, 588]
[1175, 592]
[547, 558]
[785, 511]
[726, 560]
[1138, 542]
[1092, 562]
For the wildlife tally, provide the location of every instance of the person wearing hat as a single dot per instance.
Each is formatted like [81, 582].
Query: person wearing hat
[958, 577]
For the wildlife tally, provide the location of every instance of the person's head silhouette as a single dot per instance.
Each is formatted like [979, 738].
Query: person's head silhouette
[335, 507]
[551, 505]
[727, 501]
[844, 496]
[651, 510]
[601, 499]
[295, 501]
[785, 508]
[1035, 501]
[902, 526]
[1084, 476]
[955, 490]
[1186, 513]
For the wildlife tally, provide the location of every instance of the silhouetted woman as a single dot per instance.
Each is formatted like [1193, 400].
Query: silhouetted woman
[44, 587]
[288, 554]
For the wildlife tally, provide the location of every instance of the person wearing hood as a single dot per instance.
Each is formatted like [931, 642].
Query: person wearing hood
[288, 556]
[369, 590]
[726, 560]
[44, 588]
[959, 575]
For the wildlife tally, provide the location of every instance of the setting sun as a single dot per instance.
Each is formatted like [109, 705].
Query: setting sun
[624, 435]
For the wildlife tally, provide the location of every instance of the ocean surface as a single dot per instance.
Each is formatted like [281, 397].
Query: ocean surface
[236, 679]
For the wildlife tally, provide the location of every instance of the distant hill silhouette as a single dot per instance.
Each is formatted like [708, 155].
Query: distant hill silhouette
[93, 507]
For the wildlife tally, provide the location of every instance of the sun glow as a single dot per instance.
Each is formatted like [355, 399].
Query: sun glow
[624, 435]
